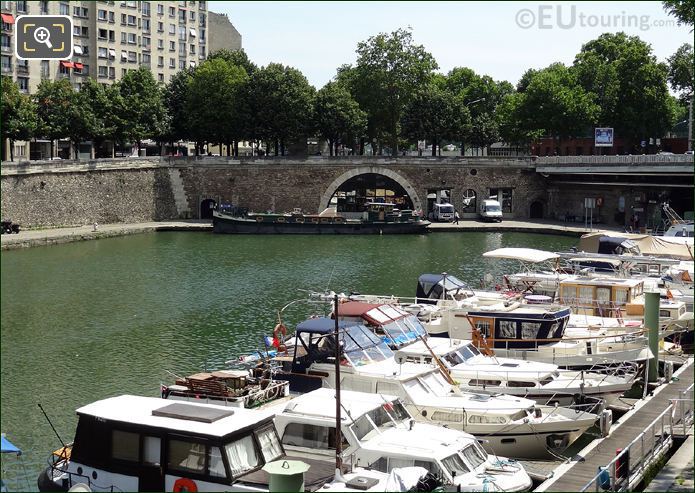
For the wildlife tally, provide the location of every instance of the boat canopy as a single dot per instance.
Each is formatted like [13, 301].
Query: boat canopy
[321, 325]
[395, 326]
[522, 254]
[437, 286]
[8, 447]
[648, 245]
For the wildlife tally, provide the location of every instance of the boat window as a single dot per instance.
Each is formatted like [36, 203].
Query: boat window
[568, 293]
[546, 381]
[484, 383]
[586, 295]
[529, 330]
[397, 411]
[429, 465]
[474, 456]
[388, 388]
[306, 435]
[186, 456]
[216, 464]
[362, 427]
[379, 465]
[242, 455]
[621, 296]
[454, 464]
[270, 444]
[125, 445]
[453, 358]
[448, 416]
[513, 383]
[507, 329]
[681, 311]
[664, 313]
[481, 418]
[151, 450]
[483, 326]
[415, 325]
[436, 383]
[469, 351]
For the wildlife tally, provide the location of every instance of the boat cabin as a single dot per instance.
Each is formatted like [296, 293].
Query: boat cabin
[394, 326]
[602, 296]
[132, 443]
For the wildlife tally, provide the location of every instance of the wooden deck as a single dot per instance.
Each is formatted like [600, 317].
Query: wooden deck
[582, 472]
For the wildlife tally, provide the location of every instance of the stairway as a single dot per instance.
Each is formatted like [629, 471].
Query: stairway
[182, 210]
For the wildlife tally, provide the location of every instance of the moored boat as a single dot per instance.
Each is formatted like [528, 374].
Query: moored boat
[379, 218]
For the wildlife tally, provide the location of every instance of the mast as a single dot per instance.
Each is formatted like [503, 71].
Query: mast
[338, 420]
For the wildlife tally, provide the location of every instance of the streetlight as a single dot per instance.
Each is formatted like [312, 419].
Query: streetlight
[463, 147]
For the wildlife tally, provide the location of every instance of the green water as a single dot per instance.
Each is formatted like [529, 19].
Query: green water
[84, 321]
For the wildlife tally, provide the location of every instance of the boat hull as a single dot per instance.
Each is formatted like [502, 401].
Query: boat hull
[234, 225]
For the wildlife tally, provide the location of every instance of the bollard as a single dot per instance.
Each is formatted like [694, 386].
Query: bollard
[286, 475]
[651, 323]
[622, 464]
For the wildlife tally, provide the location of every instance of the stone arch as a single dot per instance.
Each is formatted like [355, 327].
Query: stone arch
[536, 210]
[400, 179]
[207, 205]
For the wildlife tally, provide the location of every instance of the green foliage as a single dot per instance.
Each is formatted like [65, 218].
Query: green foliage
[680, 70]
[338, 117]
[238, 58]
[106, 105]
[390, 70]
[280, 104]
[683, 10]
[142, 109]
[176, 124]
[212, 103]
[19, 120]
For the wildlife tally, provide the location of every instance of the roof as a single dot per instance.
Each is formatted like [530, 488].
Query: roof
[321, 403]
[321, 325]
[355, 308]
[523, 254]
[140, 411]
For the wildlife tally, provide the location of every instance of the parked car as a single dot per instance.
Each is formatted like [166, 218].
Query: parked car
[8, 227]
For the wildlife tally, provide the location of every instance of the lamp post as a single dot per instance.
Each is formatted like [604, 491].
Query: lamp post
[463, 148]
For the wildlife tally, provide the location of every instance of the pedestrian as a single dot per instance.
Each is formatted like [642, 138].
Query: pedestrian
[456, 217]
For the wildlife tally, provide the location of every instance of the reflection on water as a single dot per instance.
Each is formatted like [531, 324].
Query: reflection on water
[88, 320]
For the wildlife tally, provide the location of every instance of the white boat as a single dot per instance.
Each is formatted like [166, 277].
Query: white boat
[512, 426]
[379, 433]
[475, 371]
[132, 443]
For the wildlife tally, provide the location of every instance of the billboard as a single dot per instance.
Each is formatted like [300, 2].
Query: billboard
[603, 137]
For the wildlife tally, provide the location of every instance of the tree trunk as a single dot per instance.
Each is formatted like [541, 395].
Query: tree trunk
[229, 149]
[236, 148]
[434, 147]
[53, 148]
[277, 147]
[361, 147]
[463, 148]
[330, 147]
[11, 149]
[282, 147]
[75, 146]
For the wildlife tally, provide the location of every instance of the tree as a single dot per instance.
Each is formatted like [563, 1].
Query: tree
[237, 58]
[434, 114]
[337, 115]
[683, 10]
[106, 105]
[390, 70]
[176, 124]
[680, 70]
[212, 102]
[485, 130]
[18, 114]
[142, 105]
[280, 105]
[53, 100]
[629, 85]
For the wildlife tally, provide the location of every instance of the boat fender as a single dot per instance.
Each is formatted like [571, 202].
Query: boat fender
[184, 484]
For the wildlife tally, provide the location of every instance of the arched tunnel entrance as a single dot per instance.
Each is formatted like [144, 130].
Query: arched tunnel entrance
[353, 195]
[206, 208]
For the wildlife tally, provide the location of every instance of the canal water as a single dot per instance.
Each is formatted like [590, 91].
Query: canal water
[89, 320]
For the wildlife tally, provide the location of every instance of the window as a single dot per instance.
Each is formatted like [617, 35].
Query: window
[478, 418]
[192, 49]
[146, 42]
[64, 9]
[112, 72]
[6, 64]
[270, 444]
[131, 38]
[172, 11]
[102, 71]
[102, 15]
[182, 16]
[45, 68]
[172, 63]
[507, 329]
[160, 77]
[182, 64]
[160, 9]
[43, 7]
[80, 31]
[112, 17]
[242, 455]
[131, 20]
[102, 52]
[186, 456]
[160, 27]
[125, 446]
[182, 33]
[123, 72]
[484, 383]
[23, 83]
[201, 19]
[448, 416]
[470, 202]
[309, 436]
[146, 8]
[192, 15]
[146, 25]
[112, 36]
[132, 57]
[146, 58]
[124, 19]
[80, 11]
[455, 465]
[21, 7]
[172, 29]
[124, 38]
[182, 49]
[6, 44]
[20, 151]
[160, 44]
[201, 4]
[151, 450]
[160, 61]
[504, 197]
[103, 34]
[82, 71]
[529, 330]
[172, 46]
[202, 36]
[514, 383]
[202, 52]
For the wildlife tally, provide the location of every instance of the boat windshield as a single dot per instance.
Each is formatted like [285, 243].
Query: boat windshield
[469, 351]
[474, 455]
[389, 415]
[362, 346]
[455, 465]
[404, 330]
[430, 384]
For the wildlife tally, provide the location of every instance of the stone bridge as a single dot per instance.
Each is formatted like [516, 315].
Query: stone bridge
[64, 193]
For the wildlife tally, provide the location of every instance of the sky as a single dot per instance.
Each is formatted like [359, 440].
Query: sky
[500, 39]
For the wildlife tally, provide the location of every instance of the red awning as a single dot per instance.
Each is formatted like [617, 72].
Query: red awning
[67, 64]
[8, 18]
[78, 65]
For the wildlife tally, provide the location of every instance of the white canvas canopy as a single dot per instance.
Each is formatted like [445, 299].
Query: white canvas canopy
[522, 254]
[656, 246]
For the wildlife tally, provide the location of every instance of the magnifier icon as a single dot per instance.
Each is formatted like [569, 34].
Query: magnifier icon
[43, 35]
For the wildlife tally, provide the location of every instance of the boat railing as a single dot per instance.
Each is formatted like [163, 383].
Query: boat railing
[629, 465]
[58, 465]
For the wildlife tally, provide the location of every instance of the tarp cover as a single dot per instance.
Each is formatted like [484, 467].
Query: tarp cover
[651, 246]
[8, 447]
[523, 254]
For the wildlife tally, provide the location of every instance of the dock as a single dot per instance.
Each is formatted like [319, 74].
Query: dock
[580, 471]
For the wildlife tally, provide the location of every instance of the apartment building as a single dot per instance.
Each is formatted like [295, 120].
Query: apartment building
[110, 38]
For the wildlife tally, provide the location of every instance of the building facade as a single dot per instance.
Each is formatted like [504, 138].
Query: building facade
[223, 35]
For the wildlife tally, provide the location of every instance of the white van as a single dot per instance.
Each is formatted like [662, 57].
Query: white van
[491, 210]
[442, 212]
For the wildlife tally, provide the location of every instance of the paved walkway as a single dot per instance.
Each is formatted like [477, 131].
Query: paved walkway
[677, 474]
[42, 237]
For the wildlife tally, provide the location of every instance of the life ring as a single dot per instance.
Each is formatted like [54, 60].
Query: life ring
[280, 329]
[184, 484]
[259, 219]
[599, 202]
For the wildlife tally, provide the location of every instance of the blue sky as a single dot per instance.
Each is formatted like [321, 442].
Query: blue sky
[317, 37]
